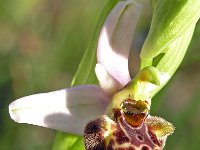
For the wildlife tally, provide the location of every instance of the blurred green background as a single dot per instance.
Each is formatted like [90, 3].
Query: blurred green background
[41, 45]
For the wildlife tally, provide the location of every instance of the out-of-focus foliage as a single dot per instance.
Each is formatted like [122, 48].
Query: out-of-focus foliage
[41, 45]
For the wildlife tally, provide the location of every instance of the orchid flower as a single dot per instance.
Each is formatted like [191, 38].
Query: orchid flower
[115, 113]
[70, 109]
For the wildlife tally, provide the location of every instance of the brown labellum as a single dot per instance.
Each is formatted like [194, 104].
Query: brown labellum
[130, 129]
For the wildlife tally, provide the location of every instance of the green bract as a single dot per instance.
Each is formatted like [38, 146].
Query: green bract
[171, 18]
[171, 30]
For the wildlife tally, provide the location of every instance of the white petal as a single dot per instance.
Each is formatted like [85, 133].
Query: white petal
[107, 82]
[116, 39]
[66, 110]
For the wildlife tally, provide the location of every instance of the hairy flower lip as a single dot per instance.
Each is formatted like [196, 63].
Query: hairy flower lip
[104, 133]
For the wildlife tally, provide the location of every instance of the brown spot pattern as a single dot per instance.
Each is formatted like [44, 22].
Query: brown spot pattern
[120, 136]
[126, 131]
[145, 148]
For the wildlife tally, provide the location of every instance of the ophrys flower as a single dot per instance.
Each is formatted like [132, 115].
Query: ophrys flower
[120, 105]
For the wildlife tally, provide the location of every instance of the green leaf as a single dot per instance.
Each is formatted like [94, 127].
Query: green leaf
[153, 3]
[86, 68]
[84, 75]
[170, 33]
[67, 141]
[174, 56]
[171, 18]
